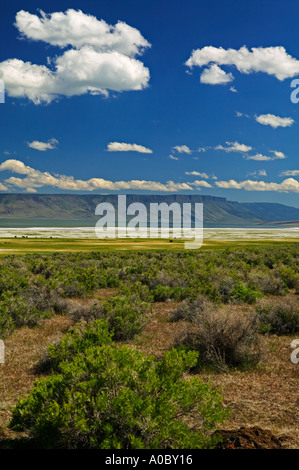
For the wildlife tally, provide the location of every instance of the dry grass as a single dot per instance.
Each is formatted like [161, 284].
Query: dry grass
[22, 350]
[268, 397]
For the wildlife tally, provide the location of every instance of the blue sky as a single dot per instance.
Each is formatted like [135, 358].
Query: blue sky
[189, 97]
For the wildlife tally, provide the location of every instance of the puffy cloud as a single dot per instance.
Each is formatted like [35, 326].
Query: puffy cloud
[260, 157]
[26, 80]
[3, 188]
[16, 166]
[77, 29]
[172, 157]
[202, 183]
[242, 148]
[197, 173]
[234, 147]
[274, 121]
[182, 149]
[258, 173]
[286, 186]
[278, 155]
[122, 147]
[289, 173]
[43, 146]
[215, 76]
[89, 70]
[271, 60]
[37, 179]
[77, 72]
[102, 60]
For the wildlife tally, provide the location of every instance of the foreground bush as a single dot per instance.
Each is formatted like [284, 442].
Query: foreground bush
[79, 338]
[114, 397]
[223, 339]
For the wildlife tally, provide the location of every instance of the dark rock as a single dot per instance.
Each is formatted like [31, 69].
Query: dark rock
[248, 438]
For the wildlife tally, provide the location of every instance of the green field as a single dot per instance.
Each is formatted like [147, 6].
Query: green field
[10, 246]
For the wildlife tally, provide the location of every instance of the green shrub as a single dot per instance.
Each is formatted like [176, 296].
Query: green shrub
[280, 318]
[289, 277]
[137, 289]
[42, 283]
[162, 293]
[75, 341]
[267, 282]
[15, 312]
[126, 316]
[117, 398]
[245, 294]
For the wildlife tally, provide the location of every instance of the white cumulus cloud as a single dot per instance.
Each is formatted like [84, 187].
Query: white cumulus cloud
[102, 58]
[278, 155]
[77, 29]
[202, 183]
[123, 147]
[34, 179]
[270, 60]
[234, 147]
[286, 186]
[214, 75]
[260, 157]
[274, 121]
[258, 173]
[197, 173]
[43, 146]
[289, 173]
[182, 149]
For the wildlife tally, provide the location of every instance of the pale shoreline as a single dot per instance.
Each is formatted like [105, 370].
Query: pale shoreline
[208, 233]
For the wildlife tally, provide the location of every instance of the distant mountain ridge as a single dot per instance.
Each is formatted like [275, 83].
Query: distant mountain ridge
[217, 210]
